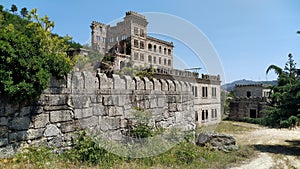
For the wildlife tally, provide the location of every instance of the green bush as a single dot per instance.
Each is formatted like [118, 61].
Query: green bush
[86, 150]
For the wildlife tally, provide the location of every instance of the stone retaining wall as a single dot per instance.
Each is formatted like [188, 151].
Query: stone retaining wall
[86, 100]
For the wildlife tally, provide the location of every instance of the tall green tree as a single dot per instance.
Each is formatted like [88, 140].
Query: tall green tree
[284, 110]
[14, 8]
[24, 12]
[29, 57]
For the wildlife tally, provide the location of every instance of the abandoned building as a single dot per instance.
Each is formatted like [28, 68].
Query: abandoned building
[128, 40]
[249, 101]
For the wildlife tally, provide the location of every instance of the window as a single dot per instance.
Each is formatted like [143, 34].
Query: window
[214, 92]
[204, 115]
[136, 43]
[154, 48]
[103, 40]
[165, 61]
[214, 113]
[248, 94]
[149, 58]
[142, 57]
[165, 51]
[97, 38]
[136, 56]
[123, 37]
[149, 47]
[195, 91]
[142, 45]
[159, 49]
[142, 32]
[196, 116]
[159, 60]
[136, 30]
[169, 52]
[204, 91]
[154, 60]
[117, 39]
[169, 62]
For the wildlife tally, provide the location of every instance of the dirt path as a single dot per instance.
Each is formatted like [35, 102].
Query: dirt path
[277, 148]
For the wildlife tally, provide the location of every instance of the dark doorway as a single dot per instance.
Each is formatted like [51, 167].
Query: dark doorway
[248, 94]
[253, 113]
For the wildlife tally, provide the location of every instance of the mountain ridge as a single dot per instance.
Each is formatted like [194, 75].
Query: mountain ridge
[231, 86]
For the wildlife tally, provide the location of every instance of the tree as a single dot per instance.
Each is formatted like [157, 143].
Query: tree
[29, 58]
[13, 8]
[24, 12]
[1, 8]
[284, 109]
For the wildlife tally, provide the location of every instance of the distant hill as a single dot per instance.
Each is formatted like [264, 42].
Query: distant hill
[230, 86]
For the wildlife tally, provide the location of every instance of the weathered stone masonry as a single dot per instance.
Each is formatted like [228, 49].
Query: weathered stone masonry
[89, 100]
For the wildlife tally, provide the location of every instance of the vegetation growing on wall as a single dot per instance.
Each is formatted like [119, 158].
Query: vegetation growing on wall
[30, 55]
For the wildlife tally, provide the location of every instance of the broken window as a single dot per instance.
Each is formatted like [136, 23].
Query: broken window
[204, 91]
[136, 31]
[142, 45]
[136, 43]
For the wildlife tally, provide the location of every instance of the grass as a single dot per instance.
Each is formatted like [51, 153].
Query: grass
[228, 127]
[87, 154]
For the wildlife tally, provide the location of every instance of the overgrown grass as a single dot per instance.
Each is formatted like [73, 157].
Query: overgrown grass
[87, 154]
[229, 127]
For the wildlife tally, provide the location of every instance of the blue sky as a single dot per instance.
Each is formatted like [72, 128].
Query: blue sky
[248, 35]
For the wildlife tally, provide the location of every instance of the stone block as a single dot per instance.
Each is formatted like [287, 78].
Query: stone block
[108, 101]
[3, 142]
[99, 110]
[161, 102]
[118, 83]
[88, 122]
[51, 100]
[17, 136]
[89, 81]
[179, 117]
[83, 113]
[148, 84]
[7, 151]
[140, 85]
[20, 123]
[109, 123]
[129, 83]
[114, 111]
[156, 84]
[80, 102]
[3, 121]
[60, 116]
[53, 108]
[25, 111]
[69, 126]
[77, 80]
[3, 131]
[40, 120]
[103, 80]
[172, 107]
[52, 130]
[34, 133]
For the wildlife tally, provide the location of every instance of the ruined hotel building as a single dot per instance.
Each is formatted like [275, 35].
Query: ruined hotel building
[129, 41]
[249, 101]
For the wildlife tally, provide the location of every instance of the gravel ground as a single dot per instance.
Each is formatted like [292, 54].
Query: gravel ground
[277, 148]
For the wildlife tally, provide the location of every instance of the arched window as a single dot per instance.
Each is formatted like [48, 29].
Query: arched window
[154, 48]
[169, 51]
[149, 47]
[165, 51]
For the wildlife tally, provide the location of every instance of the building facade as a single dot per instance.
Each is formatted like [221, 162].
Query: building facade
[128, 40]
[249, 101]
